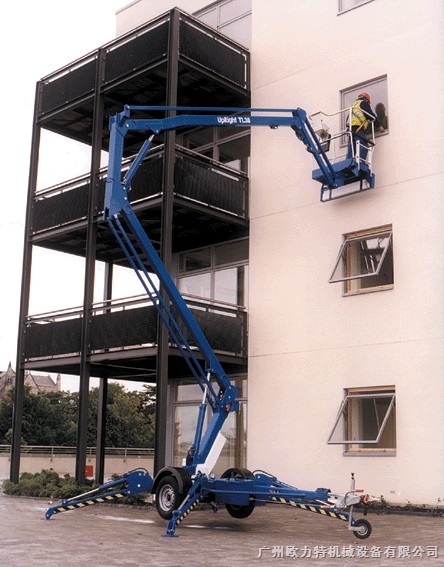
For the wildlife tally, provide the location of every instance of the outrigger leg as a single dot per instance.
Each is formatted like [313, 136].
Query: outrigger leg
[191, 501]
[133, 482]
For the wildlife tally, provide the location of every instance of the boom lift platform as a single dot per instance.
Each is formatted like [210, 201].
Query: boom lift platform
[178, 490]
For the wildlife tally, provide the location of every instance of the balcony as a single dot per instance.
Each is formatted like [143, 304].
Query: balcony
[123, 339]
[133, 69]
[210, 204]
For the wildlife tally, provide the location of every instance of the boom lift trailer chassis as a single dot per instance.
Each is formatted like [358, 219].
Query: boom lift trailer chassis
[178, 490]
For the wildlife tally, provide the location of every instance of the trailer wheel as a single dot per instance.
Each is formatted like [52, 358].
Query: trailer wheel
[364, 529]
[236, 510]
[168, 497]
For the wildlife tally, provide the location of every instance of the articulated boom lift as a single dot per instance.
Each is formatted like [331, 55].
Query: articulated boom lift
[178, 490]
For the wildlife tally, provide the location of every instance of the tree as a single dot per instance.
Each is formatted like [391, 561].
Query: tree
[51, 418]
[6, 419]
[129, 418]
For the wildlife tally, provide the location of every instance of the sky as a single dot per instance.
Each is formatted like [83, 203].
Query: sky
[38, 37]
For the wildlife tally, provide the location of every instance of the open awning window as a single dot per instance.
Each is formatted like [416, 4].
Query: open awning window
[362, 255]
[366, 419]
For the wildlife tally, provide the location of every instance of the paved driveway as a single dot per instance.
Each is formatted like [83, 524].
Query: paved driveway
[113, 535]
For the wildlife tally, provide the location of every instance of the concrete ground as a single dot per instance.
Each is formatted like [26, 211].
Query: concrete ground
[121, 536]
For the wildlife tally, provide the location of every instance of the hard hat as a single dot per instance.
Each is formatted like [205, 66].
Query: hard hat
[366, 96]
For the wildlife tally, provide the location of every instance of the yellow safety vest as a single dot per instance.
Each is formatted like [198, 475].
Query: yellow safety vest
[358, 116]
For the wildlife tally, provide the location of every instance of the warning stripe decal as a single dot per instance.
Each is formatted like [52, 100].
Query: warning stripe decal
[310, 508]
[98, 500]
[185, 514]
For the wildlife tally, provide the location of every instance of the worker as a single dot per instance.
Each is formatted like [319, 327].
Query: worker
[361, 116]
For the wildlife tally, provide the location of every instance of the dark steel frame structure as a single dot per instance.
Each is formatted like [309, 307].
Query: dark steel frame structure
[172, 60]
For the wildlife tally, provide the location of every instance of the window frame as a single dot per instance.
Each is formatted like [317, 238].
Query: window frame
[367, 86]
[346, 258]
[354, 446]
[193, 401]
[216, 267]
[342, 10]
[221, 22]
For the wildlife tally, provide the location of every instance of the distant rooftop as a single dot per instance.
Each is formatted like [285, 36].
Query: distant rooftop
[36, 382]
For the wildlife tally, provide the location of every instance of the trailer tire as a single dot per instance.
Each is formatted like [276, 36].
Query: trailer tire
[168, 497]
[364, 529]
[236, 510]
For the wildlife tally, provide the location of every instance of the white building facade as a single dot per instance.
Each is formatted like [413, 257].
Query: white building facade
[370, 342]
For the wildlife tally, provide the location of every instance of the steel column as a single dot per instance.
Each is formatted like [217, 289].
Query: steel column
[90, 259]
[103, 394]
[101, 431]
[160, 456]
[19, 391]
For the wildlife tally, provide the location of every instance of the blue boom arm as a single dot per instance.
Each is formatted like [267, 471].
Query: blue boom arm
[239, 489]
[141, 253]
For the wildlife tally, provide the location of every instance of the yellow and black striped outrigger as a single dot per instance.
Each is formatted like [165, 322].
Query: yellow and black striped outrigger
[133, 482]
[324, 510]
[241, 493]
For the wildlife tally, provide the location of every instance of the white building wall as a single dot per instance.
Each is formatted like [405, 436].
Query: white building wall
[137, 13]
[307, 341]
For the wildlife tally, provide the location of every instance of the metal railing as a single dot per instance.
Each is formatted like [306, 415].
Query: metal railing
[130, 323]
[57, 450]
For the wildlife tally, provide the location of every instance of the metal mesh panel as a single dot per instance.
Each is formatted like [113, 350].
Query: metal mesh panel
[131, 327]
[136, 53]
[50, 339]
[61, 208]
[205, 184]
[148, 180]
[226, 332]
[212, 54]
[67, 87]
[223, 332]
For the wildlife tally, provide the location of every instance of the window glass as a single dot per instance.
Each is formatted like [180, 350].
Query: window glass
[197, 138]
[231, 17]
[239, 30]
[209, 18]
[188, 398]
[195, 260]
[365, 261]
[366, 420]
[198, 285]
[185, 421]
[345, 5]
[228, 285]
[235, 150]
[186, 392]
[231, 252]
[225, 145]
[234, 9]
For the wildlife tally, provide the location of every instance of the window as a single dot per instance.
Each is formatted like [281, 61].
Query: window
[195, 260]
[231, 17]
[377, 89]
[366, 420]
[365, 261]
[230, 146]
[187, 400]
[345, 5]
[218, 272]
